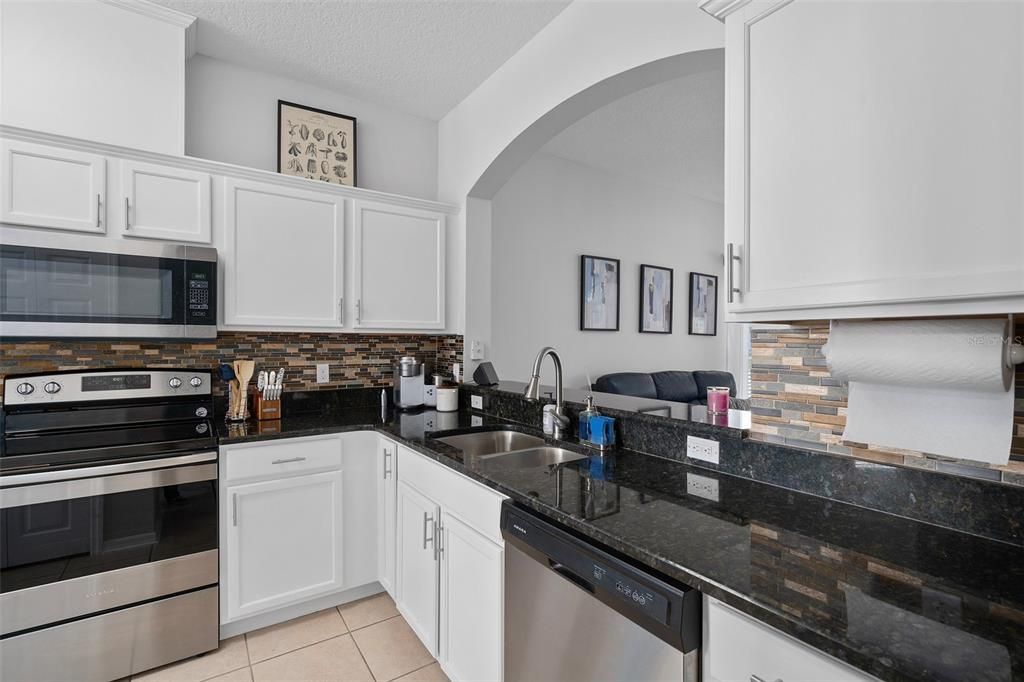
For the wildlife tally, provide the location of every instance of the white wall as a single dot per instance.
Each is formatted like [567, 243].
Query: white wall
[551, 211]
[584, 45]
[231, 116]
[94, 71]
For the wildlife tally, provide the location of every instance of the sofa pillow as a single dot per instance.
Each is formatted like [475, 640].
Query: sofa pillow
[677, 386]
[627, 383]
[707, 378]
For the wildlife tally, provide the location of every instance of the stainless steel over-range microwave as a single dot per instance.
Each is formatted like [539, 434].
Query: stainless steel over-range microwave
[56, 286]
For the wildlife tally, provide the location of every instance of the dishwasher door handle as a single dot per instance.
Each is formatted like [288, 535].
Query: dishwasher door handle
[576, 580]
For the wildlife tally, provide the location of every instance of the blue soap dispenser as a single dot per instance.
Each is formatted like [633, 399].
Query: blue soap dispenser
[585, 417]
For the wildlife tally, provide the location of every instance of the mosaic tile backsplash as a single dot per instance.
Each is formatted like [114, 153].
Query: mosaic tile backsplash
[356, 360]
[796, 402]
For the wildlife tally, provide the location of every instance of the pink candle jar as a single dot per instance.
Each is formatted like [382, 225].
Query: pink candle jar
[718, 399]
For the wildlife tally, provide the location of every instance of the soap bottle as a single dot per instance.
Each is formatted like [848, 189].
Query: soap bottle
[585, 416]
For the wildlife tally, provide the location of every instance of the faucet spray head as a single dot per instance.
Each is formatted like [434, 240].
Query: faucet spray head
[532, 391]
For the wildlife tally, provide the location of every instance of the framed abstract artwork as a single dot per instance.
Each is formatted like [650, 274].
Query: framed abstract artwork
[599, 294]
[655, 300]
[703, 304]
[316, 144]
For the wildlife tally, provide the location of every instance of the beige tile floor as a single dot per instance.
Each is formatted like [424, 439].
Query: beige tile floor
[365, 640]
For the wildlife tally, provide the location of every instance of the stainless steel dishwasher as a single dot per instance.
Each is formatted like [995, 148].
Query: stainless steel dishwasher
[575, 612]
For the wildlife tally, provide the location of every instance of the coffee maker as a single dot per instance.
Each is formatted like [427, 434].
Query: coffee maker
[408, 386]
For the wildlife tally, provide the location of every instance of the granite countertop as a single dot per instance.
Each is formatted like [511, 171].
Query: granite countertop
[900, 599]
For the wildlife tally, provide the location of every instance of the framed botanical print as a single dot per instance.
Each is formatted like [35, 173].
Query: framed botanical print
[599, 294]
[316, 144]
[703, 304]
[655, 300]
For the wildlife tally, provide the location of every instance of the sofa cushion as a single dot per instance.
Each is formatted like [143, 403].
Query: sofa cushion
[627, 383]
[676, 385]
[707, 378]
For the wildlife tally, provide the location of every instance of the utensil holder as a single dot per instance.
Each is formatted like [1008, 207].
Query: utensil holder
[265, 410]
[242, 411]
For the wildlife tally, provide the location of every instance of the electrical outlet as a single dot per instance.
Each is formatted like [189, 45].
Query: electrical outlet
[703, 449]
[323, 373]
[476, 421]
[476, 350]
[476, 402]
[702, 486]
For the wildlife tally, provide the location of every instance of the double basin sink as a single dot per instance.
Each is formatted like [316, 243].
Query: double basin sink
[509, 449]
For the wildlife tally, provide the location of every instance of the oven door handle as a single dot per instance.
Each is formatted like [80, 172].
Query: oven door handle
[106, 485]
[105, 469]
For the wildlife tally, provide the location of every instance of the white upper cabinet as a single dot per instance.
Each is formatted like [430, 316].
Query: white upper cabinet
[399, 267]
[163, 202]
[283, 256]
[873, 158]
[51, 187]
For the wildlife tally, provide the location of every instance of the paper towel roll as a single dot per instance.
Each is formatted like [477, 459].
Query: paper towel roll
[937, 386]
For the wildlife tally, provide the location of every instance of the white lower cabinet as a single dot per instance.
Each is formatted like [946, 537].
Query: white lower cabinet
[472, 580]
[449, 582]
[738, 648]
[298, 521]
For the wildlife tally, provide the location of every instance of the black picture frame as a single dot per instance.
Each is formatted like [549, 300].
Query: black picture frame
[699, 323]
[648, 297]
[349, 150]
[585, 268]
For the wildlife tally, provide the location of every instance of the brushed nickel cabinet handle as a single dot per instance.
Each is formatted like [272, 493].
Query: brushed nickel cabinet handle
[730, 257]
[341, 311]
[359, 310]
[289, 460]
[428, 519]
[127, 207]
[387, 461]
[98, 204]
[234, 509]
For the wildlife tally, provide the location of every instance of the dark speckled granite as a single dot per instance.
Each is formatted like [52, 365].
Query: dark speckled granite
[900, 599]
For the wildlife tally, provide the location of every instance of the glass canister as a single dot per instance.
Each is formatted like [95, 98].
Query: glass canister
[718, 399]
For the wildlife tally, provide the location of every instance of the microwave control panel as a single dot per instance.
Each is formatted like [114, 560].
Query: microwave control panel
[201, 294]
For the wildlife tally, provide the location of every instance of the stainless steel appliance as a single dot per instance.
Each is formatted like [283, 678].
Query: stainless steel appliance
[408, 384]
[108, 523]
[573, 611]
[62, 287]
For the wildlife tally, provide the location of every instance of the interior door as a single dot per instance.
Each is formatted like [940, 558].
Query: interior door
[162, 202]
[284, 542]
[416, 576]
[284, 255]
[399, 267]
[472, 598]
[51, 187]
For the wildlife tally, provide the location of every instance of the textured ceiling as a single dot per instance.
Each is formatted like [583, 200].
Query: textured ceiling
[419, 56]
[670, 134]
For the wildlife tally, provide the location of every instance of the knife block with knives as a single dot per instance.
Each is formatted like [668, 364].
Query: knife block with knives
[266, 395]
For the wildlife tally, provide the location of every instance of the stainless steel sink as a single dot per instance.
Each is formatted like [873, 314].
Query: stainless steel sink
[491, 442]
[533, 457]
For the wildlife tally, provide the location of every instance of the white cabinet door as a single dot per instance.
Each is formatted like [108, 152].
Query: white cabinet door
[284, 542]
[399, 267]
[873, 156]
[416, 574]
[283, 256]
[46, 186]
[388, 492]
[360, 520]
[162, 202]
[741, 648]
[472, 603]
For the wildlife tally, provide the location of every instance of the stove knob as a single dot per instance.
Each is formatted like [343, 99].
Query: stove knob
[175, 382]
[201, 412]
[51, 387]
[201, 428]
[196, 382]
[25, 388]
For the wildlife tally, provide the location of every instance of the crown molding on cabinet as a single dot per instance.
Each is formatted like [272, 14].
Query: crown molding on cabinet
[220, 168]
[720, 9]
[155, 11]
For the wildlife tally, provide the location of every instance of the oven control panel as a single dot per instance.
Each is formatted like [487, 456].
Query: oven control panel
[66, 387]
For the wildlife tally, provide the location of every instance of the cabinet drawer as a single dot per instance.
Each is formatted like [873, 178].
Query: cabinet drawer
[741, 648]
[278, 458]
[477, 505]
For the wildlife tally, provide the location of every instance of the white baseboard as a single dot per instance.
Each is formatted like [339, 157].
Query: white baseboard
[276, 616]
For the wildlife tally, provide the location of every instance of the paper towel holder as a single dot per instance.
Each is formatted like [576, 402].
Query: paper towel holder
[1013, 353]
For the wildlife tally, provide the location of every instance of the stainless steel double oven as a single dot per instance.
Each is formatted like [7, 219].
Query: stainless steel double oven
[108, 523]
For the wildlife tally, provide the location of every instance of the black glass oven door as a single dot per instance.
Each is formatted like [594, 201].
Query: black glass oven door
[55, 531]
[56, 285]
